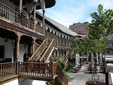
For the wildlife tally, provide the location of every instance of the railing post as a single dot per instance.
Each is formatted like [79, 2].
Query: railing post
[52, 68]
[17, 67]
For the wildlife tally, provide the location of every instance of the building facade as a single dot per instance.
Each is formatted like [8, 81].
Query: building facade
[81, 29]
[28, 41]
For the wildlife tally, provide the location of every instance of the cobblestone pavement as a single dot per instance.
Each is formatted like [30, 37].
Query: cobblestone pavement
[82, 76]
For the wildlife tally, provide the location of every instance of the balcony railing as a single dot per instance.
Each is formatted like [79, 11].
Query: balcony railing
[14, 16]
[35, 70]
[7, 70]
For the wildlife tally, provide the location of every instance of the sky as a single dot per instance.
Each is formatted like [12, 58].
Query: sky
[68, 12]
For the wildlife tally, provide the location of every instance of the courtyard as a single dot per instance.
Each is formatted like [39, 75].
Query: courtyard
[82, 76]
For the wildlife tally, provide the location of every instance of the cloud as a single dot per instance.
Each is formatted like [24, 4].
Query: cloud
[73, 11]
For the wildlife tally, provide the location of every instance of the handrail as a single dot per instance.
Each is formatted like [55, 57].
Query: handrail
[36, 54]
[40, 70]
[20, 19]
[62, 77]
[8, 13]
[45, 56]
[7, 70]
[60, 74]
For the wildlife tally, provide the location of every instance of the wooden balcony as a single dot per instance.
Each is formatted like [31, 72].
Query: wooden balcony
[12, 16]
[32, 70]
[7, 71]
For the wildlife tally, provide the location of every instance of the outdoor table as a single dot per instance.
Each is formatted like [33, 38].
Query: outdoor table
[94, 83]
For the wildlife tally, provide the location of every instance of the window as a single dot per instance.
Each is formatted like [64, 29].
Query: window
[1, 52]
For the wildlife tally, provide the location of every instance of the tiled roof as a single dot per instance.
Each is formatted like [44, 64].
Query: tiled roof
[60, 26]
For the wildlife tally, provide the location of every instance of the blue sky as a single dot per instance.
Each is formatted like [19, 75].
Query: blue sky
[68, 12]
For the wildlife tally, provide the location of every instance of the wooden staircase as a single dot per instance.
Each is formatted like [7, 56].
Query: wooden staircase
[43, 52]
[65, 60]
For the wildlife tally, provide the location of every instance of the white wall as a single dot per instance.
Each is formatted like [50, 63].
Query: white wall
[13, 82]
[25, 82]
[22, 51]
[8, 47]
[32, 82]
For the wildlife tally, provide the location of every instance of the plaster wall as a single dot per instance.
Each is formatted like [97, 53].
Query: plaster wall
[32, 82]
[8, 47]
[13, 82]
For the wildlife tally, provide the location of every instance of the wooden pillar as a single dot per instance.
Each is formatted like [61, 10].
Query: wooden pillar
[17, 48]
[43, 22]
[20, 6]
[33, 45]
[34, 17]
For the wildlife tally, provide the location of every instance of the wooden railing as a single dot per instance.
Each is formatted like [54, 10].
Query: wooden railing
[46, 55]
[37, 53]
[36, 70]
[8, 13]
[60, 74]
[14, 16]
[7, 70]
[43, 71]
[26, 22]
[39, 29]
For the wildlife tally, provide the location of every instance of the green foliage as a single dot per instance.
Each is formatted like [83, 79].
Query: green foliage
[65, 68]
[76, 45]
[102, 23]
[100, 28]
[61, 63]
[70, 67]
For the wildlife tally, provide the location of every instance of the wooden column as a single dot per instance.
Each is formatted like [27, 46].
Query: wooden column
[34, 17]
[20, 6]
[17, 48]
[33, 46]
[43, 22]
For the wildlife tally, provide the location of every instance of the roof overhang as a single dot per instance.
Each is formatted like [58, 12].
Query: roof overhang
[48, 3]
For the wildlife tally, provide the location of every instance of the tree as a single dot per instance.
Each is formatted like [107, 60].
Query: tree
[101, 27]
[102, 23]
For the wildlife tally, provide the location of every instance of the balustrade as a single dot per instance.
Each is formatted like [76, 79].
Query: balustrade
[26, 69]
[32, 70]
[14, 16]
[61, 75]
[39, 29]
[8, 13]
[7, 70]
